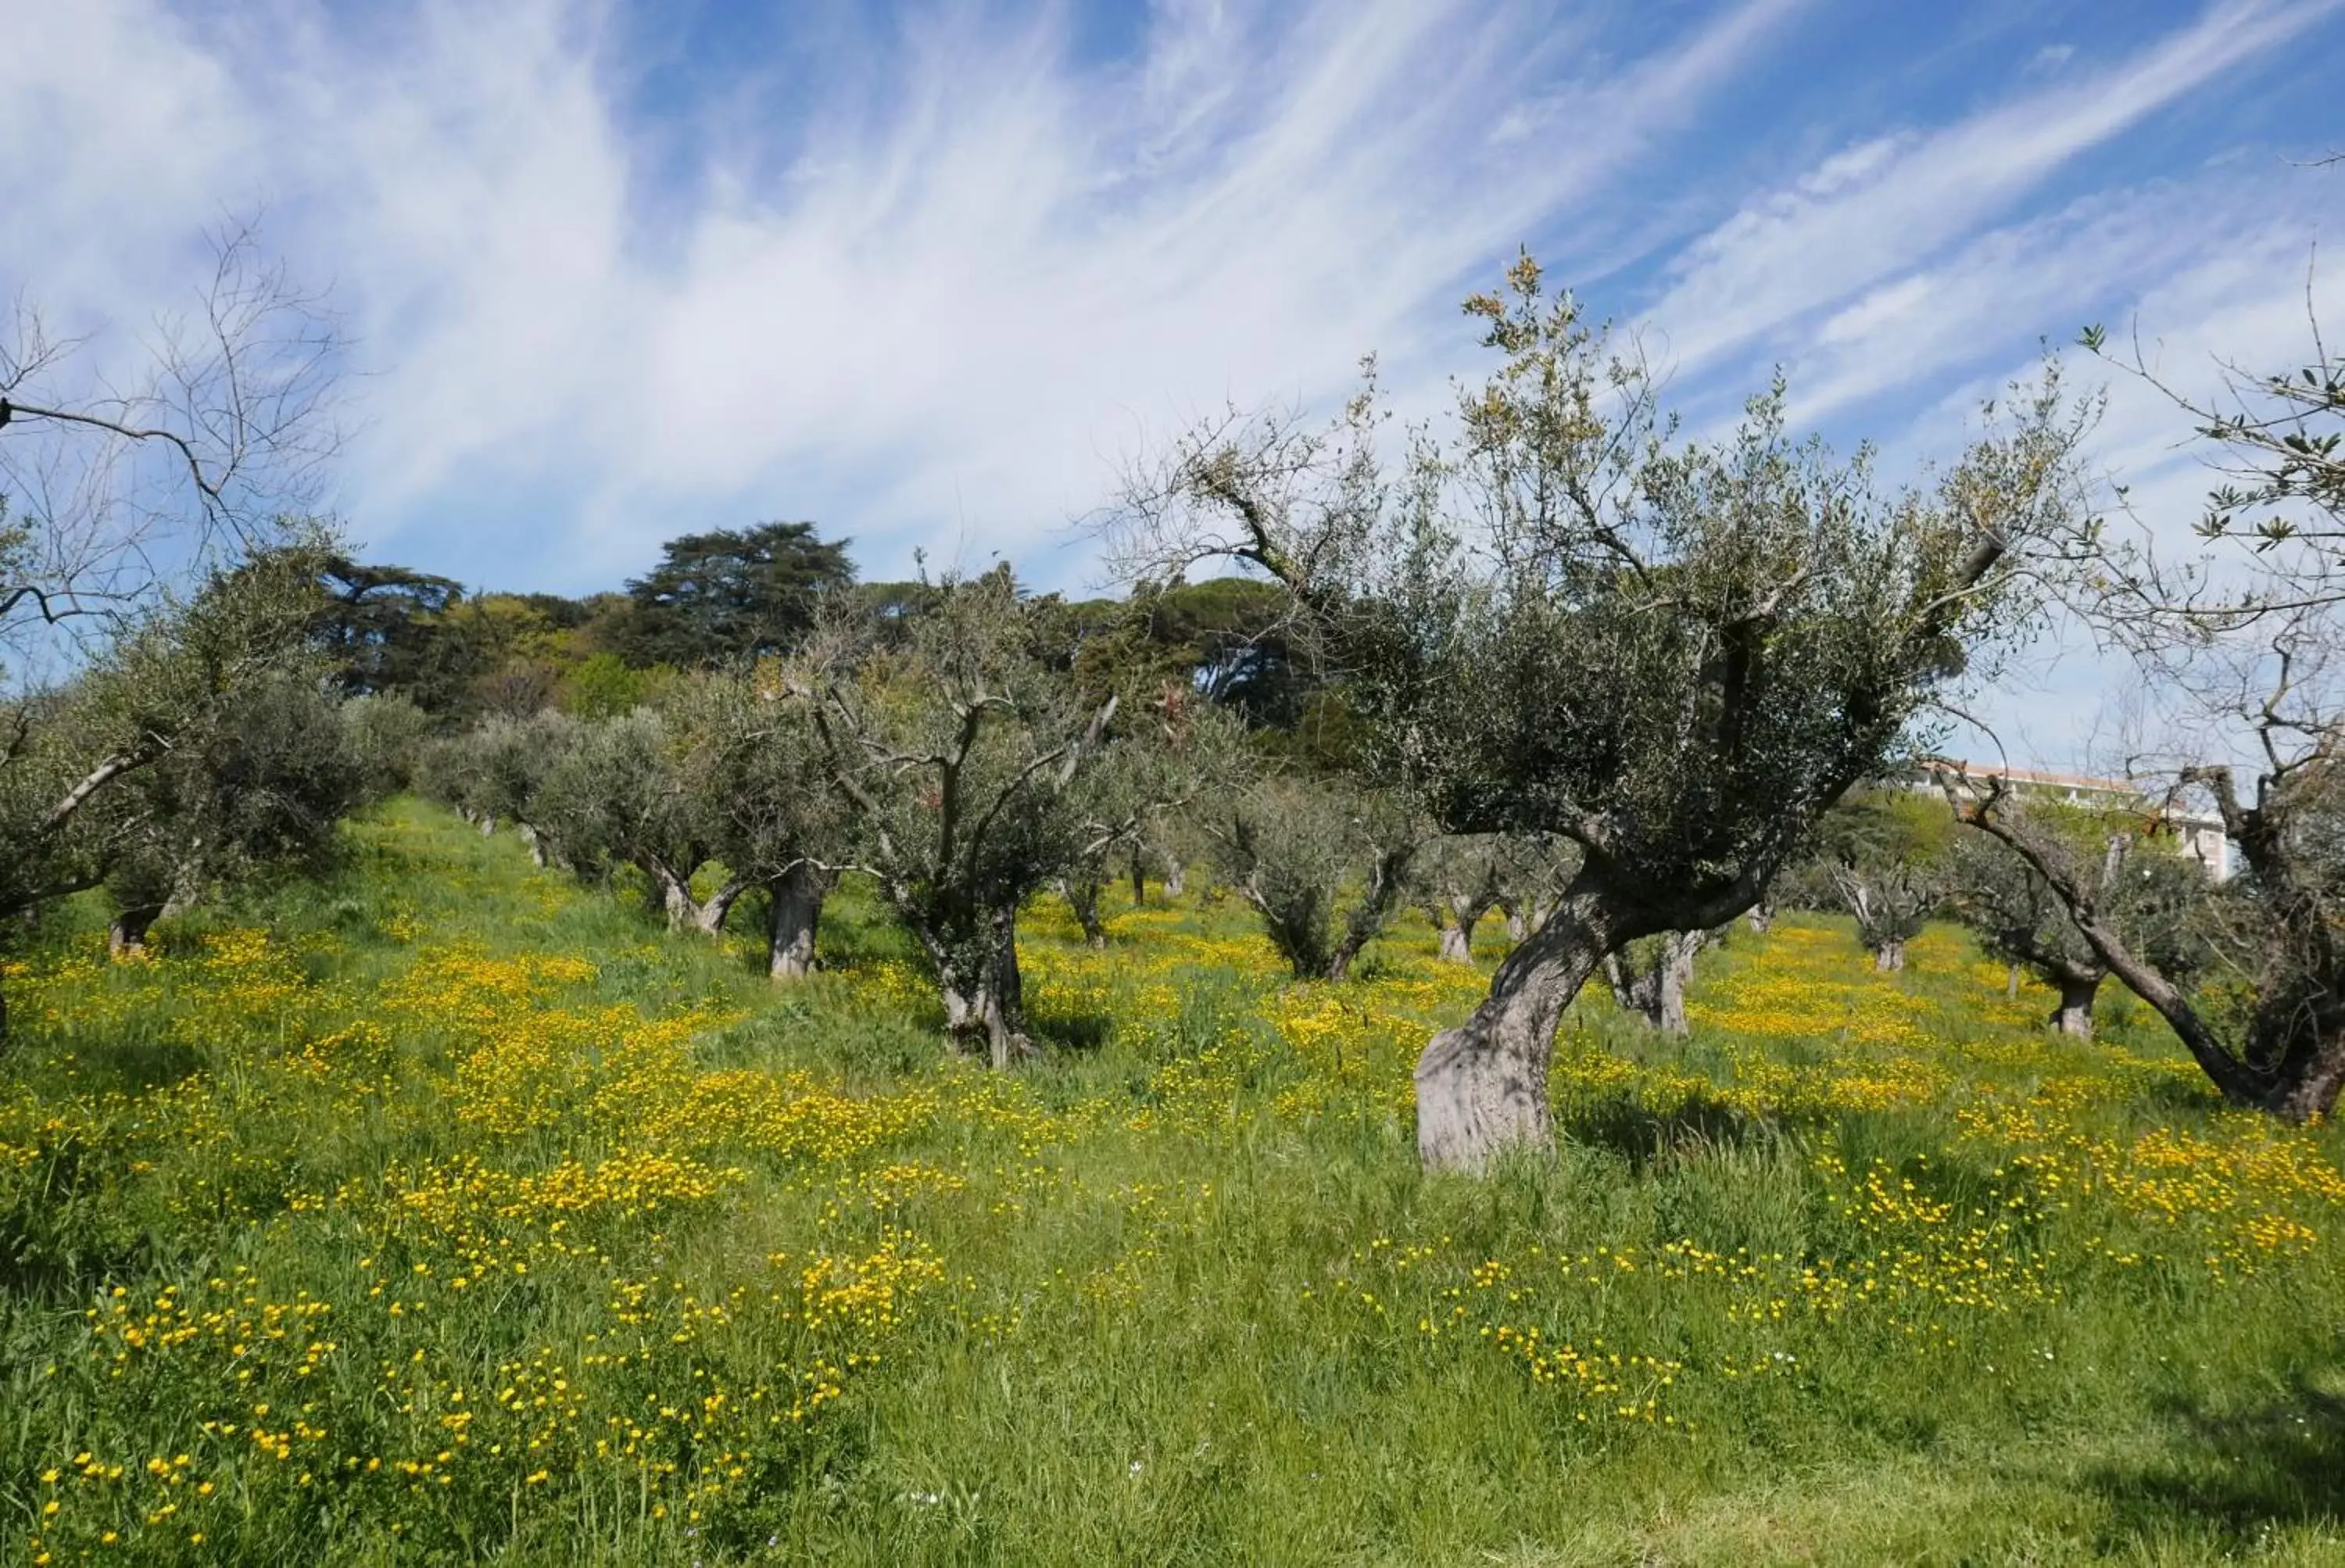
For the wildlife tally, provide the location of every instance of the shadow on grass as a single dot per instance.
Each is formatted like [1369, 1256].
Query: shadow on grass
[1646, 1135]
[2234, 1474]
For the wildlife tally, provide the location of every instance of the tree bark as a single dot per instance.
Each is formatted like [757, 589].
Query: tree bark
[2011, 985]
[1387, 884]
[2074, 1016]
[794, 910]
[1466, 913]
[1658, 994]
[709, 918]
[1082, 894]
[1889, 957]
[488, 824]
[2301, 1068]
[984, 994]
[1761, 916]
[127, 933]
[1176, 878]
[1481, 1087]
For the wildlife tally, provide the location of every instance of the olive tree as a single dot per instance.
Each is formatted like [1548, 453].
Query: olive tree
[2241, 647]
[957, 749]
[1323, 863]
[170, 682]
[141, 512]
[1649, 977]
[621, 791]
[2157, 899]
[756, 764]
[1456, 880]
[259, 792]
[1880, 856]
[1559, 615]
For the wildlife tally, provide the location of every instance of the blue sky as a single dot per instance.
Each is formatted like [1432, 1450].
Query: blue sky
[926, 273]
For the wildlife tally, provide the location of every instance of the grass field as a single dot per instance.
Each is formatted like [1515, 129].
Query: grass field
[449, 1213]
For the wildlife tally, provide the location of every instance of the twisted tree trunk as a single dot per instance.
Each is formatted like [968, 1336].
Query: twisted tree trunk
[127, 933]
[1657, 993]
[1481, 1087]
[794, 908]
[983, 991]
[1890, 956]
[2074, 1016]
[1082, 892]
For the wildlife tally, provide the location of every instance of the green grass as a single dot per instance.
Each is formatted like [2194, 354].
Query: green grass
[1890, 1274]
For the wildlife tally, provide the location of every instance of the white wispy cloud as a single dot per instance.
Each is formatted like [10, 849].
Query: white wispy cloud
[929, 294]
[952, 305]
[1761, 279]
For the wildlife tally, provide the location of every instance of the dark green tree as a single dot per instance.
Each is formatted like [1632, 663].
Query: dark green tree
[732, 593]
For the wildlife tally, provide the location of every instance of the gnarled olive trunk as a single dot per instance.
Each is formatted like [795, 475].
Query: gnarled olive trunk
[127, 933]
[671, 894]
[1890, 956]
[1655, 990]
[2074, 1016]
[794, 909]
[1082, 892]
[984, 994]
[1465, 911]
[708, 918]
[1176, 878]
[1481, 1087]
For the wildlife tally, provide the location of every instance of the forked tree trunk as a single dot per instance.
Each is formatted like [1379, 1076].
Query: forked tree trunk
[985, 1002]
[2074, 1016]
[1176, 878]
[1082, 894]
[1761, 917]
[1657, 993]
[1466, 913]
[794, 909]
[1481, 1087]
[670, 892]
[1889, 957]
[709, 918]
[127, 933]
[1386, 886]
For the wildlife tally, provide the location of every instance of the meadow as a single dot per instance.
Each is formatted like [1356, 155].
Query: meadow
[447, 1212]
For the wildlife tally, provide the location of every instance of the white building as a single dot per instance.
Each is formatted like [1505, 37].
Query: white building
[2198, 834]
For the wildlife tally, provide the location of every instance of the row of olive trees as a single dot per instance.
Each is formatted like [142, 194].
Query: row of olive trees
[957, 761]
